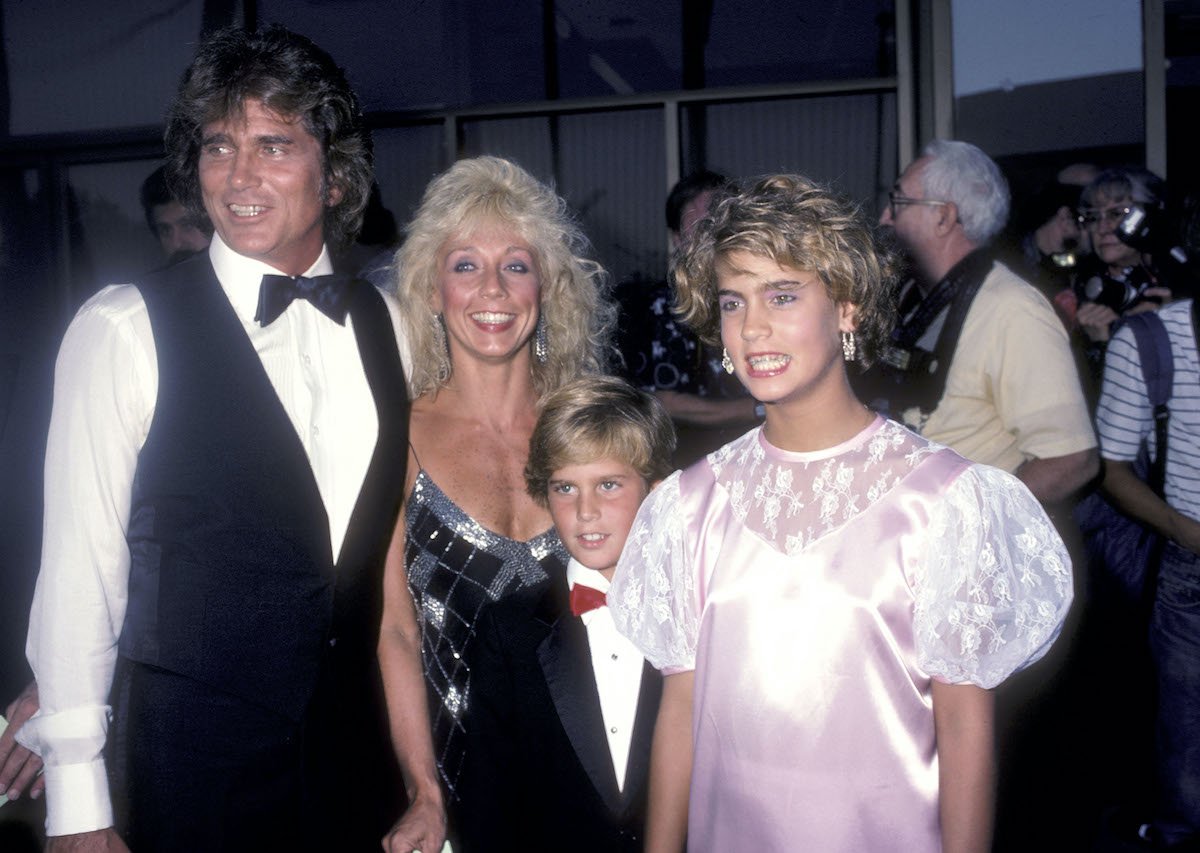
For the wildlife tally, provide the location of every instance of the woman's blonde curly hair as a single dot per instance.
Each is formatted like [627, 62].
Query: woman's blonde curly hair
[489, 191]
[800, 224]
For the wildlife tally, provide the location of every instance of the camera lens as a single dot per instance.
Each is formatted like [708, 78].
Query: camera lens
[1103, 290]
[1133, 224]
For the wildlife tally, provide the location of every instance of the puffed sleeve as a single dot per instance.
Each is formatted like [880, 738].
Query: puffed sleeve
[653, 593]
[995, 584]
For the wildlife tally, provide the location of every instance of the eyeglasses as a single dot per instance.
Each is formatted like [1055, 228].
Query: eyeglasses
[897, 201]
[1110, 215]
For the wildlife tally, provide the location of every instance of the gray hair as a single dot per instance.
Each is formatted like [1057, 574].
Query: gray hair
[1125, 182]
[961, 173]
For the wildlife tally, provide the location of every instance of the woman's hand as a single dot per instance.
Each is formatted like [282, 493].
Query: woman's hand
[1096, 320]
[422, 827]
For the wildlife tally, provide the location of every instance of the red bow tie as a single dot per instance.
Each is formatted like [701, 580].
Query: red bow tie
[585, 598]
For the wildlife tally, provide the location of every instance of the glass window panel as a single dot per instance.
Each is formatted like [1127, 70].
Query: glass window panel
[425, 55]
[618, 47]
[1183, 94]
[32, 318]
[1077, 84]
[805, 135]
[609, 169]
[59, 60]
[110, 240]
[753, 43]
[527, 141]
[447, 55]
[406, 159]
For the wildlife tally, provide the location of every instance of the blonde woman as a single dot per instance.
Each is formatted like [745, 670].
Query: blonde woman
[501, 306]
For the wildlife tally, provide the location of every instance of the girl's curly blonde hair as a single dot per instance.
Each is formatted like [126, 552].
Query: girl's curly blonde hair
[800, 224]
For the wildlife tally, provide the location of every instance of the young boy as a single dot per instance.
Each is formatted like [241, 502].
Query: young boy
[562, 706]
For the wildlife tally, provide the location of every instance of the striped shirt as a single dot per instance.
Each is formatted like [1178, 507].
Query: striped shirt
[1124, 417]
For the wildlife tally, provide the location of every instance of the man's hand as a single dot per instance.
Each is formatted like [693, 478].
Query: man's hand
[1056, 479]
[99, 841]
[18, 766]
[422, 827]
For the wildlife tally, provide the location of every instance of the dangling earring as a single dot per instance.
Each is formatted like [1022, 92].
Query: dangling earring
[541, 349]
[439, 332]
[849, 346]
[726, 361]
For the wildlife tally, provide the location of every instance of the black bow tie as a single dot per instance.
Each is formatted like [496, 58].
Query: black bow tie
[328, 294]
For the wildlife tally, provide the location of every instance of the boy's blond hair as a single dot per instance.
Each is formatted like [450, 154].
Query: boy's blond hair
[599, 417]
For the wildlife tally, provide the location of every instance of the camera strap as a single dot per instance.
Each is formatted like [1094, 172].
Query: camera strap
[1158, 374]
[920, 375]
[1196, 324]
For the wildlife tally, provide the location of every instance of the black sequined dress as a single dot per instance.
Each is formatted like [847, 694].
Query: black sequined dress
[455, 567]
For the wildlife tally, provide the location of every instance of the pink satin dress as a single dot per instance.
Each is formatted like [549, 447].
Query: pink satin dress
[816, 595]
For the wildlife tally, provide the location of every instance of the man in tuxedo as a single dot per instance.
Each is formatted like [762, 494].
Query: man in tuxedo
[223, 473]
[563, 706]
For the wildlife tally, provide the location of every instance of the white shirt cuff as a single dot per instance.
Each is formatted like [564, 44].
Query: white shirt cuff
[71, 744]
[77, 798]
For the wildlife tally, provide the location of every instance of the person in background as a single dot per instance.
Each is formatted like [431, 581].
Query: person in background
[661, 355]
[981, 362]
[180, 232]
[657, 351]
[1049, 240]
[563, 709]
[1124, 420]
[1124, 277]
[831, 597]
[223, 471]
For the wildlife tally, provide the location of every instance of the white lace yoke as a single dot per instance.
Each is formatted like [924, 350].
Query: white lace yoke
[989, 590]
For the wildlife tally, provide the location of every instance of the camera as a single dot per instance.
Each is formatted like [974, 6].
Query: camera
[1118, 295]
[1147, 229]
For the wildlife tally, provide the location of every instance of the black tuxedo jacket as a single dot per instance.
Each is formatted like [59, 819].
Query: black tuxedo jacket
[538, 774]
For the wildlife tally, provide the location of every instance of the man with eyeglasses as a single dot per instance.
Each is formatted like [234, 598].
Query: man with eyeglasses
[981, 361]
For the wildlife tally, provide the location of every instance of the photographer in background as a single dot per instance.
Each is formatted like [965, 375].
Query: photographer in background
[1047, 245]
[1125, 277]
[1137, 263]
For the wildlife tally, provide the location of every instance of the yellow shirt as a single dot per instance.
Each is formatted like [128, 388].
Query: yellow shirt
[1012, 391]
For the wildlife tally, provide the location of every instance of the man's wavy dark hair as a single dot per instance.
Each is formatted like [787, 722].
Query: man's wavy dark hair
[292, 77]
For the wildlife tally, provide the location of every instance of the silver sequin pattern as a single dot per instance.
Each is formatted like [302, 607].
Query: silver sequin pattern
[455, 567]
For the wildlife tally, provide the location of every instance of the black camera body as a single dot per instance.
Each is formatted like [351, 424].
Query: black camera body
[1116, 294]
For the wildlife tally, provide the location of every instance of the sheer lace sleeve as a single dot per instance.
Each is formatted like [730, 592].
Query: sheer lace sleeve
[996, 581]
[653, 593]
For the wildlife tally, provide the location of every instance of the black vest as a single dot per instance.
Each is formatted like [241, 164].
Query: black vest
[231, 582]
